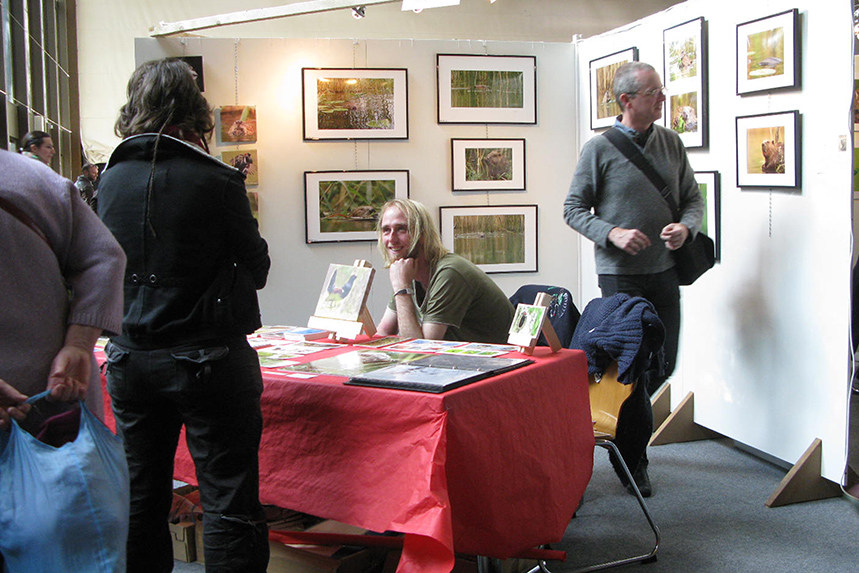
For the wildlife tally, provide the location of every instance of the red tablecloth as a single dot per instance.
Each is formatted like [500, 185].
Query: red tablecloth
[492, 468]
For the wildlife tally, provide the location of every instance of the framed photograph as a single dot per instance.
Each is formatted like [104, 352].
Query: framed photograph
[709, 184]
[487, 89]
[245, 160]
[768, 51]
[488, 164]
[498, 239]
[196, 63]
[685, 77]
[238, 124]
[768, 150]
[352, 103]
[344, 205]
[604, 109]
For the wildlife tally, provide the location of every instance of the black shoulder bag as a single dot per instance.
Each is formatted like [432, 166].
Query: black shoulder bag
[693, 258]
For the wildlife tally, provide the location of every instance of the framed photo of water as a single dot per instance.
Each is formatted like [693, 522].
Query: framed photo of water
[498, 239]
[487, 89]
[343, 206]
[370, 103]
[768, 53]
[488, 164]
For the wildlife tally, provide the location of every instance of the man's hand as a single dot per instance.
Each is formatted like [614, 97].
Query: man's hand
[11, 405]
[674, 235]
[630, 241]
[403, 272]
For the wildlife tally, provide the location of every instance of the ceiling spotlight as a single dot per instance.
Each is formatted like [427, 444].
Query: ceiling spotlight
[358, 12]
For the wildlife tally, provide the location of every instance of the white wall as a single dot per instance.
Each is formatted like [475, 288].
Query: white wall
[269, 77]
[764, 344]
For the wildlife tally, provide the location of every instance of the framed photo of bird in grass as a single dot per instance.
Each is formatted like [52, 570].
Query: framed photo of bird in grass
[604, 107]
[344, 292]
[768, 150]
[768, 52]
[498, 239]
[353, 103]
[685, 78]
[344, 205]
[487, 89]
[488, 164]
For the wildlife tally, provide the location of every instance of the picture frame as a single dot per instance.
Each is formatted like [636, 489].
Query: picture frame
[604, 108]
[486, 89]
[512, 230]
[709, 182]
[769, 150]
[237, 124]
[768, 53]
[487, 164]
[246, 161]
[354, 103]
[685, 63]
[343, 206]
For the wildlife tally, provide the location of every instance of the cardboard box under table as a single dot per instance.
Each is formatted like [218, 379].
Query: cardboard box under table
[493, 468]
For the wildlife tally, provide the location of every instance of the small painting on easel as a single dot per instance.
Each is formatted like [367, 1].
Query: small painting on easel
[528, 320]
[344, 292]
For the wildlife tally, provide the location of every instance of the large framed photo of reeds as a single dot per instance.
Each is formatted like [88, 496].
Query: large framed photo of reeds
[604, 107]
[498, 239]
[487, 89]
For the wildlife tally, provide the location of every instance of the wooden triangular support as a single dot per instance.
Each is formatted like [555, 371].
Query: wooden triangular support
[349, 329]
[803, 482]
[680, 426]
[526, 338]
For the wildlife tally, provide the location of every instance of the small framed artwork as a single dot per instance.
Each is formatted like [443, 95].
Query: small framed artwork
[344, 205]
[487, 89]
[253, 199]
[245, 160]
[709, 184]
[488, 164]
[604, 108]
[196, 63]
[768, 53]
[238, 123]
[350, 103]
[685, 60]
[768, 150]
[498, 239]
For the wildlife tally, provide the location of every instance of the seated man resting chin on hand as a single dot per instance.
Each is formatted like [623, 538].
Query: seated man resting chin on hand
[437, 294]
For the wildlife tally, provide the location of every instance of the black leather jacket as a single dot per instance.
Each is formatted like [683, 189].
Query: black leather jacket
[190, 239]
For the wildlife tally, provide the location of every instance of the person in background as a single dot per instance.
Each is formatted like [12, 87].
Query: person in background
[195, 261]
[614, 204]
[437, 294]
[84, 184]
[38, 145]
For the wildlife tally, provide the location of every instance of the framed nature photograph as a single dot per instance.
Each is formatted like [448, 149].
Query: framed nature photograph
[709, 184]
[685, 77]
[604, 108]
[487, 89]
[344, 205]
[238, 124]
[498, 239]
[768, 52]
[488, 164]
[355, 103]
[253, 199]
[768, 150]
[245, 160]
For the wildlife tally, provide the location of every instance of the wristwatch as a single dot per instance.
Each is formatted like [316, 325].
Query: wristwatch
[407, 291]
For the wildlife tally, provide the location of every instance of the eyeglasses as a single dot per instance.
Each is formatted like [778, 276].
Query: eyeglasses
[651, 92]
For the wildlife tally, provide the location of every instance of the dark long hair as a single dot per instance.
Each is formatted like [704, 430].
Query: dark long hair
[163, 93]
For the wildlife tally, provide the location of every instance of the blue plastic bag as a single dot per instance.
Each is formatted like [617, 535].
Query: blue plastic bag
[67, 508]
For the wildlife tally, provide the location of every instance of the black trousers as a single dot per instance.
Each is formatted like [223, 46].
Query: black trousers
[214, 391]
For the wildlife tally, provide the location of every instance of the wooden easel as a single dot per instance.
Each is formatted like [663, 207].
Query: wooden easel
[349, 329]
[525, 342]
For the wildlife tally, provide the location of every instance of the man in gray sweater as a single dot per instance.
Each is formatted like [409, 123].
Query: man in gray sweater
[614, 204]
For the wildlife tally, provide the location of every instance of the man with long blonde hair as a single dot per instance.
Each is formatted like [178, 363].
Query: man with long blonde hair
[437, 294]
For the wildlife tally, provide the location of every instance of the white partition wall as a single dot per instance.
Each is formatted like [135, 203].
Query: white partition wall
[267, 74]
[764, 345]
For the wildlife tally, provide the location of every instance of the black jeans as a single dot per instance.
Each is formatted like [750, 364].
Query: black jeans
[214, 391]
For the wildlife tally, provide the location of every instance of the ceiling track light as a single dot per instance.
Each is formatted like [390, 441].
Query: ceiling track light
[359, 12]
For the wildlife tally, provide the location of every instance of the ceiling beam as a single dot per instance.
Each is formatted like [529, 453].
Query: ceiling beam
[257, 15]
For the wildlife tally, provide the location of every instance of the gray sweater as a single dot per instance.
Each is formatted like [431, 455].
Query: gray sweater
[609, 191]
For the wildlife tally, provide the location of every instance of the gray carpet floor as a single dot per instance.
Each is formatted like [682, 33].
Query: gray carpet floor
[708, 502]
